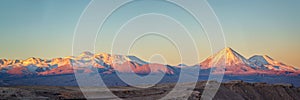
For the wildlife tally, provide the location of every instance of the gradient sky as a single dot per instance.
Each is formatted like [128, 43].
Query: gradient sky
[44, 28]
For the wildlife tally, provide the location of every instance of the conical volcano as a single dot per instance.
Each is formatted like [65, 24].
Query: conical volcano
[229, 61]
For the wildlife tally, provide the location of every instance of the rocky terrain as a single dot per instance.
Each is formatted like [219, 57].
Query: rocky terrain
[234, 90]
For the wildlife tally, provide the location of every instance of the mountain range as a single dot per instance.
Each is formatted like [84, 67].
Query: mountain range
[226, 61]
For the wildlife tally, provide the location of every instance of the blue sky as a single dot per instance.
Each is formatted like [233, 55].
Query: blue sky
[44, 28]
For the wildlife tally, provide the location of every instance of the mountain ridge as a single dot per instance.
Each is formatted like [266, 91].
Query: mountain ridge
[226, 60]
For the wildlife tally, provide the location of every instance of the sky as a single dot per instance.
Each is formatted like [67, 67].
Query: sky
[45, 29]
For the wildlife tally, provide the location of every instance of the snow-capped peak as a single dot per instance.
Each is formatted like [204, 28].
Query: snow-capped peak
[269, 63]
[137, 60]
[8, 61]
[226, 57]
[228, 60]
[31, 61]
[86, 53]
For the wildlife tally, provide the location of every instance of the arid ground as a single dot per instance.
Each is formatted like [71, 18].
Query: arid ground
[235, 90]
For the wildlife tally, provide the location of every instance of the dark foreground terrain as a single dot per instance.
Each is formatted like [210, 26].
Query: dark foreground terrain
[235, 90]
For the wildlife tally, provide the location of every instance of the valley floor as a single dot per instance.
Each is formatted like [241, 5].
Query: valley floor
[234, 90]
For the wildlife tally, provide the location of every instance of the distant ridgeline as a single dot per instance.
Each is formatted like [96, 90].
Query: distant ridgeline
[226, 60]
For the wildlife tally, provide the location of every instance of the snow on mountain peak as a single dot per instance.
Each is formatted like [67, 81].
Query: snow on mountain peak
[86, 53]
[137, 60]
[258, 60]
[110, 59]
[5, 62]
[269, 63]
[226, 60]
[85, 56]
[230, 60]
[226, 56]
[31, 60]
